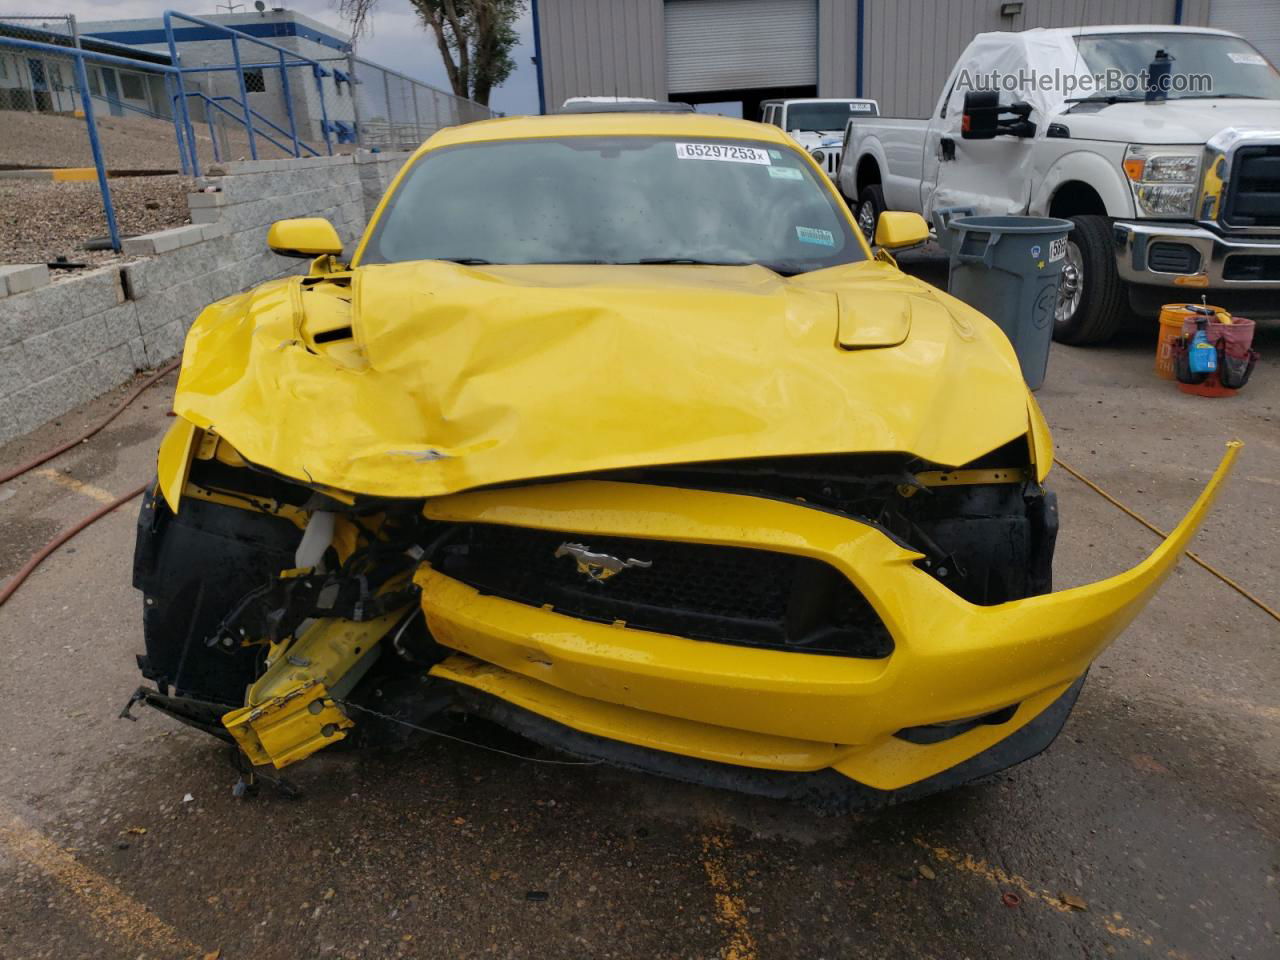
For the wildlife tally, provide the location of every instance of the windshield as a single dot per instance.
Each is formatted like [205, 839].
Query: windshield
[1227, 66]
[614, 199]
[824, 116]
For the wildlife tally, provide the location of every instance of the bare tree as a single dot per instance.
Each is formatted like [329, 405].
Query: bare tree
[474, 37]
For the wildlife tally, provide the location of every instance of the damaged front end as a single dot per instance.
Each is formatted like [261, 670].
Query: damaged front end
[854, 628]
[786, 534]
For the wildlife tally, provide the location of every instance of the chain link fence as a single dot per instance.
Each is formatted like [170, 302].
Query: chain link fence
[393, 111]
[38, 83]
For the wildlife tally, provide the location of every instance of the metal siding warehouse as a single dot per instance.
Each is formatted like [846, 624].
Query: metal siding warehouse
[748, 50]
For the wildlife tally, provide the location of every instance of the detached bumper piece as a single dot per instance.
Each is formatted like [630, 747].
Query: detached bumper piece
[956, 681]
[289, 727]
[291, 711]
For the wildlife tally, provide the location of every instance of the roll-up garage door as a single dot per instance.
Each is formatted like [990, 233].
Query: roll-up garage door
[1258, 21]
[741, 44]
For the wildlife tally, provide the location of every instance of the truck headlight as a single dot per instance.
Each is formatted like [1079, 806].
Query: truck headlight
[1163, 179]
[818, 157]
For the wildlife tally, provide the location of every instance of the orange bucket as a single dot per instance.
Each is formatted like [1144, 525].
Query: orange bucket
[1172, 317]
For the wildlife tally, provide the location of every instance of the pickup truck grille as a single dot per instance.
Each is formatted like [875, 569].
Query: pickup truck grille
[1253, 195]
[733, 595]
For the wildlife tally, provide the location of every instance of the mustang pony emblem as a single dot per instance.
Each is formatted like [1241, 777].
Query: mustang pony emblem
[598, 566]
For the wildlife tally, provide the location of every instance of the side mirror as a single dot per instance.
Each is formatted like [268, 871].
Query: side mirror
[981, 119]
[981, 115]
[304, 238]
[898, 229]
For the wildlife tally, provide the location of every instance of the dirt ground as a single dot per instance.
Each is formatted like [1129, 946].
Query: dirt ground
[1155, 812]
[40, 220]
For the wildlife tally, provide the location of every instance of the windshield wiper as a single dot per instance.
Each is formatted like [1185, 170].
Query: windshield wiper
[692, 260]
[1222, 96]
[465, 261]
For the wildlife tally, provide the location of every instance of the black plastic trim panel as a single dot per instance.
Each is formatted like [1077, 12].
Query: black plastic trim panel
[826, 789]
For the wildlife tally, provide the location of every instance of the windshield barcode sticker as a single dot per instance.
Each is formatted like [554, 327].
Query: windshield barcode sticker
[823, 238]
[721, 151]
[1250, 59]
[1057, 249]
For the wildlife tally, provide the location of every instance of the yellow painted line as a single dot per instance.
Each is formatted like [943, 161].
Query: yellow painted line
[68, 482]
[114, 913]
[75, 173]
[1112, 923]
[731, 908]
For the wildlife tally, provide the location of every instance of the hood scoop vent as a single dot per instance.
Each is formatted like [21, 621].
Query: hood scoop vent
[871, 319]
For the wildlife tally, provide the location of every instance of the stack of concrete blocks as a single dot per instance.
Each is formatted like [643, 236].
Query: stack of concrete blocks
[65, 342]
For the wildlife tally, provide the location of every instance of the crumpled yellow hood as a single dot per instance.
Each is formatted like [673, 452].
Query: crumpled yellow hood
[460, 377]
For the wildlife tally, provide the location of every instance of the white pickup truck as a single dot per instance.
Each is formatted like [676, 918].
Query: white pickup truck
[817, 124]
[1160, 144]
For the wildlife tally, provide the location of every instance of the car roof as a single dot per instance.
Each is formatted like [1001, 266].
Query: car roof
[824, 100]
[1131, 28]
[607, 124]
[627, 106]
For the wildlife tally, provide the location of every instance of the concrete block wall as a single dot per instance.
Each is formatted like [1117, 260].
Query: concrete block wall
[65, 342]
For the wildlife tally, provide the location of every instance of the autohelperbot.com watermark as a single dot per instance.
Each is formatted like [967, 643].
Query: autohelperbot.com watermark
[1075, 84]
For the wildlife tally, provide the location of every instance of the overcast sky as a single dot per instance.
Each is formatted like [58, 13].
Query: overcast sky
[398, 39]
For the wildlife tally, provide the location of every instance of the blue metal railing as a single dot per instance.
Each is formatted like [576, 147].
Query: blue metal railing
[237, 107]
[284, 60]
[213, 103]
[79, 56]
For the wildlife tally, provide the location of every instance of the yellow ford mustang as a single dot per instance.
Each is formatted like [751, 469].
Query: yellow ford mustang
[615, 432]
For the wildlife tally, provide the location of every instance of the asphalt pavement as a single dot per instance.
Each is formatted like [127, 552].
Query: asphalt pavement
[1150, 829]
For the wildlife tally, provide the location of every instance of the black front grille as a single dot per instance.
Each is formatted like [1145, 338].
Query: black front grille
[723, 594]
[1248, 266]
[1165, 257]
[1253, 195]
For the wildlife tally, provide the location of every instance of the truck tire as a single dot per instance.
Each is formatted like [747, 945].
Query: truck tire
[870, 206]
[1092, 302]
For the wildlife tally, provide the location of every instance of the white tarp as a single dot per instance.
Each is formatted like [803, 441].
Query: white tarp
[1039, 53]
[996, 177]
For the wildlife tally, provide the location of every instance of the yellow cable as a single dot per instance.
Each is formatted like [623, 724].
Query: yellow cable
[1160, 533]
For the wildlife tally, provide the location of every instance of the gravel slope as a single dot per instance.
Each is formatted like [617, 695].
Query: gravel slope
[42, 220]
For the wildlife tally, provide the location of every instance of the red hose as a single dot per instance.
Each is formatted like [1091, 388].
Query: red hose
[50, 454]
[44, 552]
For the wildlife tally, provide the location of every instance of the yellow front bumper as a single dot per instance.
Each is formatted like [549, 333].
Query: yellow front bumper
[771, 709]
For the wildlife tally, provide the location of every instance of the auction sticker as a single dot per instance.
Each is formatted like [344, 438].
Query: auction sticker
[823, 238]
[722, 151]
[1057, 249]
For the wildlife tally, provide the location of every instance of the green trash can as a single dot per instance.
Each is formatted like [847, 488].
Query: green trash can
[1008, 268]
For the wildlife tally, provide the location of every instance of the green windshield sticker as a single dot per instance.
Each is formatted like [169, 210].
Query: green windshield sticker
[785, 173]
[777, 155]
[823, 238]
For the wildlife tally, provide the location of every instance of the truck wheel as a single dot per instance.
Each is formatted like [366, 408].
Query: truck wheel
[870, 206]
[1091, 296]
